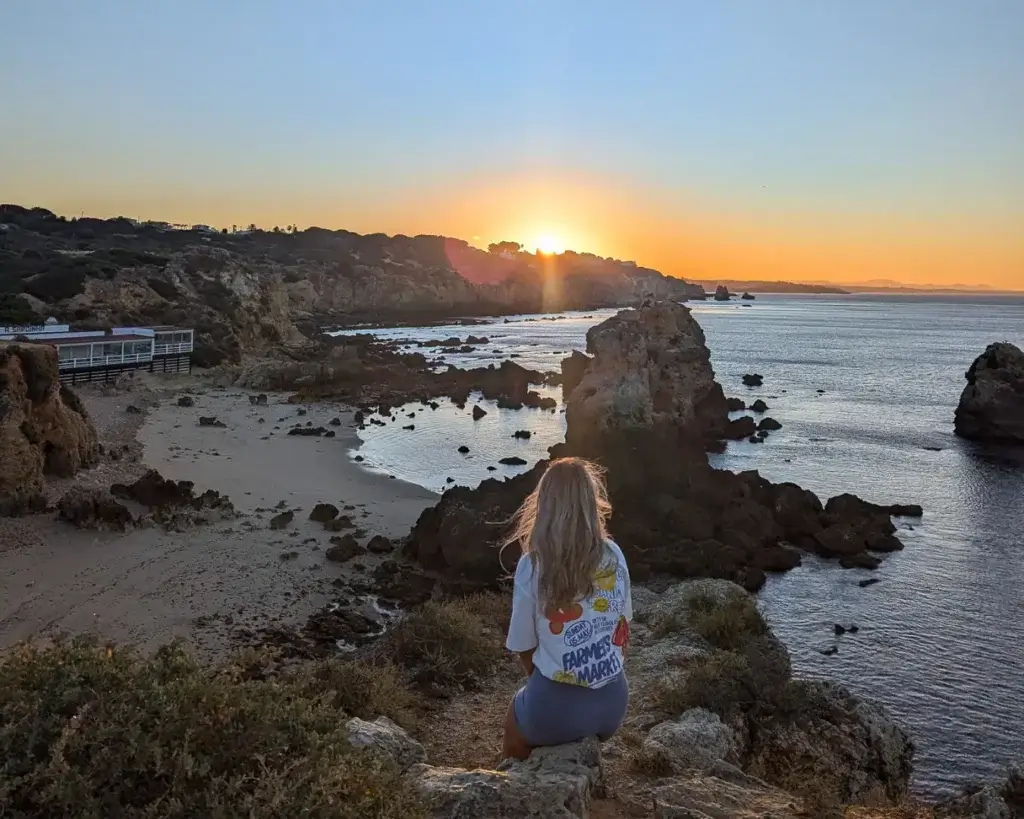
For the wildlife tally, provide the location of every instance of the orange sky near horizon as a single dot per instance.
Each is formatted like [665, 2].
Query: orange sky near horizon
[680, 236]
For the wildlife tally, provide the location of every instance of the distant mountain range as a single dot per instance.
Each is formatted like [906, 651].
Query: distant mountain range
[755, 287]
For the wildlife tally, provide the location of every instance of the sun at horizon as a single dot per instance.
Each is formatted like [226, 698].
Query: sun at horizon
[548, 244]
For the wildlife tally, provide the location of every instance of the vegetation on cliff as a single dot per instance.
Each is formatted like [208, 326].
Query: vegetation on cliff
[250, 291]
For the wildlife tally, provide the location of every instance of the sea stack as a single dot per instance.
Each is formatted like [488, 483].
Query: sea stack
[992, 404]
[722, 293]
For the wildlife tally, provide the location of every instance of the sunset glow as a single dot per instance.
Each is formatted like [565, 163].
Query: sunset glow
[788, 164]
[548, 244]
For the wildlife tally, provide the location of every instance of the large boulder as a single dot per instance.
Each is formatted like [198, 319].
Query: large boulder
[555, 783]
[992, 404]
[44, 428]
[388, 739]
[651, 368]
[697, 739]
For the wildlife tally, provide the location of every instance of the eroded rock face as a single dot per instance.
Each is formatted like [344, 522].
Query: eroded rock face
[650, 368]
[44, 428]
[992, 404]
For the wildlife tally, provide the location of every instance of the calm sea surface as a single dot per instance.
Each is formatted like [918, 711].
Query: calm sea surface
[941, 637]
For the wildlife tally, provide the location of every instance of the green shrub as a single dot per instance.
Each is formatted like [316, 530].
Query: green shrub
[729, 625]
[365, 690]
[93, 732]
[444, 645]
[15, 310]
[720, 681]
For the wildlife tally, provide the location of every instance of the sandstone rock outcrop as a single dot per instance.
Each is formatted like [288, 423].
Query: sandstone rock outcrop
[650, 368]
[44, 428]
[991, 406]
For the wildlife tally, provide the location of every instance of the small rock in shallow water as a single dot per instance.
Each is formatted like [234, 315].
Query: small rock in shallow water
[513, 461]
[463, 449]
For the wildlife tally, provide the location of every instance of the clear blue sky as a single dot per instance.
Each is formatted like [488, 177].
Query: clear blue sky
[224, 110]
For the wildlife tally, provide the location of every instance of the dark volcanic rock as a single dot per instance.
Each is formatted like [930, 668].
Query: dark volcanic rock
[311, 432]
[282, 520]
[186, 401]
[174, 504]
[735, 404]
[768, 425]
[523, 434]
[514, 460]
[93, 509]
[753, 379]
[379, 545]
[742, 427]
[759, 406]
[991, 406]
[344, 547]
[323, 513]
[463, 449]
[478, 412]
[748, 296]
[210, 421]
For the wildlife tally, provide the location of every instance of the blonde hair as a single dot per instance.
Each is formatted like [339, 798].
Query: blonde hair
[561, 526]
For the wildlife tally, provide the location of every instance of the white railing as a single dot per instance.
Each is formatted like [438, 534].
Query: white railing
[170, 349]
[103, 361]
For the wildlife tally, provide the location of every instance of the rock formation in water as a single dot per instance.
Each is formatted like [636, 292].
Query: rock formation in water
[44, 429]
[650, 368]
[722, 293]
[748, 296]
[645, 409]
[992, 404]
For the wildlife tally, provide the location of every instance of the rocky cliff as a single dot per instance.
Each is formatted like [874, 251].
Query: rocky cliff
[645, 407]
[992, 404]
[251, 292]
[44, 429]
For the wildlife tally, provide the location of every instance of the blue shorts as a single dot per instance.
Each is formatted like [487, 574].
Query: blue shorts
[553, 713]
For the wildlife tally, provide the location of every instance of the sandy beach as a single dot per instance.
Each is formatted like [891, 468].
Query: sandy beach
[212, 585]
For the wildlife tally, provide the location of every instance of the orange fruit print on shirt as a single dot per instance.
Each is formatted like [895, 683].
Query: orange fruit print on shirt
[559, 617]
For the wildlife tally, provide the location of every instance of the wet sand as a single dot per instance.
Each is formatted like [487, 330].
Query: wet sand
[211, 585]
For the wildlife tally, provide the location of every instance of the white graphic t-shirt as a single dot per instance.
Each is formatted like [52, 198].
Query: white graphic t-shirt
[582, 644]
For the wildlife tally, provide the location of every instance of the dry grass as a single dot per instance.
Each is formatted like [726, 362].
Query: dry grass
[720, 681]
[445, 645]
[88, 731]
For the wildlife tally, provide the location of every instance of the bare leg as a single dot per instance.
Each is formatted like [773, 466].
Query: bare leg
[513, 744]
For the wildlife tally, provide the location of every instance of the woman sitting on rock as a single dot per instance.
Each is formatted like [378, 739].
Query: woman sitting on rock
[571, 609]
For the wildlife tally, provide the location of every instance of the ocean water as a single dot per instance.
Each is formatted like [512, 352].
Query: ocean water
[865, 388]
